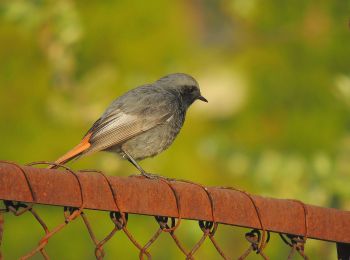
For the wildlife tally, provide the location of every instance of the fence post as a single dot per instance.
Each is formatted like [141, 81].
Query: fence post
[1, 230]
[343, 251]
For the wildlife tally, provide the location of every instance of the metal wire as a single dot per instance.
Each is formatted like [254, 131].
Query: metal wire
[257, 238]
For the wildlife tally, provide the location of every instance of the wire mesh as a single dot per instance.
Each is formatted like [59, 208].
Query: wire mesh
[257, 238]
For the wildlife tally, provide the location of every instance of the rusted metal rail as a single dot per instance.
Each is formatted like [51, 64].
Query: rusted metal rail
[156, 197]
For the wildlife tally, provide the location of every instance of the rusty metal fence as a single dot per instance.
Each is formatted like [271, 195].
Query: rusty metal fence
[169, 201]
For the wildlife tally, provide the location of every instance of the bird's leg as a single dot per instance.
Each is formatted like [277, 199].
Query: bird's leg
[133, 161]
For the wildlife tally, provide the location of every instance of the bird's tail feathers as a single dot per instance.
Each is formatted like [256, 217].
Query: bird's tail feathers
[73, 153]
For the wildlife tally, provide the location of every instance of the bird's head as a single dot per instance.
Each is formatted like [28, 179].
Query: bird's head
[184, 85]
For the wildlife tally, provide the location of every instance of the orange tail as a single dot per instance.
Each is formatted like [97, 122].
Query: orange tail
[76, 151]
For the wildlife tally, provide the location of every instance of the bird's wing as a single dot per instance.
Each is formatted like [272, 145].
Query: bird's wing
[118, 127]
[114, 127]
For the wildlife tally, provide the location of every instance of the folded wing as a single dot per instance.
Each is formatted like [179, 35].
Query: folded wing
[118, 127]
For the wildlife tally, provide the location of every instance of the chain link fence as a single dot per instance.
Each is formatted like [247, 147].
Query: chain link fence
[168, 201]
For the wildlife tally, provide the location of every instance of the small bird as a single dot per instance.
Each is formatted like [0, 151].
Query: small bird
[141, 123]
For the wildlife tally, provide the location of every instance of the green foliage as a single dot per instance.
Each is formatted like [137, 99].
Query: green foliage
[276, 75]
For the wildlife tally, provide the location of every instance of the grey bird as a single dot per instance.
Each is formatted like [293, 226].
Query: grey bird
[141, 123]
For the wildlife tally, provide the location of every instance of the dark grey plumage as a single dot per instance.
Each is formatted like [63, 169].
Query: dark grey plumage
[144, 121]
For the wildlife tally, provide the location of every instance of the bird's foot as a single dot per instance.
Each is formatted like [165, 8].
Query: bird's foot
[147, 175]
[150, 175]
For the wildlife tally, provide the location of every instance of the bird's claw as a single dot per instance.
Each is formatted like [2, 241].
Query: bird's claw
[147, 175]
[150, 175]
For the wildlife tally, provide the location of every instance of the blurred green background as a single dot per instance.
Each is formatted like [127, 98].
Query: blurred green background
[276, 75]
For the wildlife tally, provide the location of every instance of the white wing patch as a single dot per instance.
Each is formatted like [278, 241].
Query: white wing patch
[170, 118]
[118, 121]
[119, 127]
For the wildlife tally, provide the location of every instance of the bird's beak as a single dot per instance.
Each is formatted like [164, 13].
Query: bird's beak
[203, 99]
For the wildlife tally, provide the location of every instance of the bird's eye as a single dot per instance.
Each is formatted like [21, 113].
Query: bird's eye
[191, 89]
